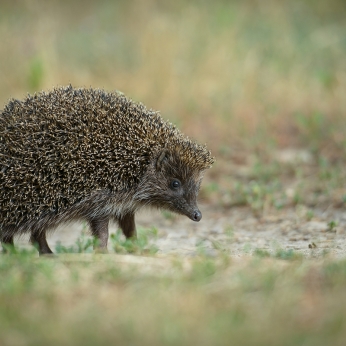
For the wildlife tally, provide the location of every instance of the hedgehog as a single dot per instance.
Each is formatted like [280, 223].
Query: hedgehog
[86, 154]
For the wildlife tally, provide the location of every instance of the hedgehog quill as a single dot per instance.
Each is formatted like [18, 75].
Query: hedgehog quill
[87, 154]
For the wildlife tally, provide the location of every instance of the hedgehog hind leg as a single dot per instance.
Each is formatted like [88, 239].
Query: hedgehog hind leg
[40, 239]
[99, 229]
[128, 225]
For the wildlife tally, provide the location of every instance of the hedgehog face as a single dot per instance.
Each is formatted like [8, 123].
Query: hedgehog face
[181, 197]
[171, 185]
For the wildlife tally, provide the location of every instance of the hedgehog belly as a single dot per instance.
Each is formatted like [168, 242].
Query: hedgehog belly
[99, 204]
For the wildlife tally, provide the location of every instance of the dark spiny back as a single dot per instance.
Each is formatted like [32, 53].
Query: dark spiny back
[58, 148]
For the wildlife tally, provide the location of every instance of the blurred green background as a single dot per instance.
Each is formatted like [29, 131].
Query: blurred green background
[251, 79]
[238, 75]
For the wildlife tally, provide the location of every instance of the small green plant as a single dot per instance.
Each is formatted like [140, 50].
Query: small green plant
[201, 248]
[314, 129]
[261, 253]
[287, 254]
[265, 172]
[297, 198]
[247, 248]
[13, 250]
[229, 231]
[332, 226]
[219, 246]
[84, 244]
[59, 248]
[140, 245]
[8, 249]
[203, 269]
[259, 195]
[309, 214]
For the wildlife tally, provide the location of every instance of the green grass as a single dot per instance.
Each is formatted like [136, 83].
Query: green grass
[112, 299]
[143, 244]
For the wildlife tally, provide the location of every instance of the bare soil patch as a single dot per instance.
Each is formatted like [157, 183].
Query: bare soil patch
[235, 231]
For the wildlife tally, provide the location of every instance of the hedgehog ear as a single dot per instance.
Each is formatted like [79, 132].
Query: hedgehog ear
[161, 159]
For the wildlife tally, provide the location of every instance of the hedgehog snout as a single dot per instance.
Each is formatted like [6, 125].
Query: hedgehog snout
[197, 216]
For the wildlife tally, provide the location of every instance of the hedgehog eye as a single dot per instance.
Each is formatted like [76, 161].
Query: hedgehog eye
[175, 184]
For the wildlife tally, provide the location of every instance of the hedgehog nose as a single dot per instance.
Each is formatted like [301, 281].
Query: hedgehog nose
[197, 215]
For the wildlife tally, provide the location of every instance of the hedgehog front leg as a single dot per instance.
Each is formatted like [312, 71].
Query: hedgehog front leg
[40, 239]
[99, 229]
[128, 226]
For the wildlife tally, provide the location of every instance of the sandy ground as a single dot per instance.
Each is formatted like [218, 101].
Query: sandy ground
[236, 231]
